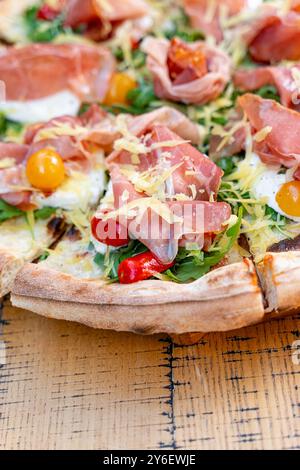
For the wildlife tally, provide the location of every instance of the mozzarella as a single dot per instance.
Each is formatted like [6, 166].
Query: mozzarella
[44, 109]
[74, 258]
[79, 191]
[16, 237]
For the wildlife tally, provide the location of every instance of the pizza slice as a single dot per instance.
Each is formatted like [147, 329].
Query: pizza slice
[74, 20]
[263, 176]
[54, 177]
[161, 254]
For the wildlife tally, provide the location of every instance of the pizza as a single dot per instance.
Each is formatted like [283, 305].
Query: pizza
[149, 162]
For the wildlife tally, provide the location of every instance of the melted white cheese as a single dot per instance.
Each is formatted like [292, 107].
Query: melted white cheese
[16, 237]
[267, 185]
[44, 109]
[79, 191]
[73, 258]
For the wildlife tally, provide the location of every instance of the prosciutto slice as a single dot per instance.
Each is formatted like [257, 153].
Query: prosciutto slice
[281, 144]
[190, 73]
[186, 194]
[205, 14]
[282, 78]
[13, 175]
[39, 70]
[274, 36]
[74, 149]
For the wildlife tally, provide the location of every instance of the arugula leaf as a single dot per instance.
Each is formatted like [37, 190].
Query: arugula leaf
[180, 27]
[7, 126]
[44, 213]
[8, 212]
[44, 256]
[226, 164]
[111, 263]
[43, 31]
[268, 92]
[192, 265]
[141, 97]
[275, 216]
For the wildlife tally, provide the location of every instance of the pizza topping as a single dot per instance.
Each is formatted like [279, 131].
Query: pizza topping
[165, 195]
[109, 232]
[184, 63]
[36, 71]
[275, 36]
[47, 13]
[284, 79]
[191, 73]
[121, 84]
[288, 198]
[45, 170]
[140, 267]
[206, 15]
[87, 11]
[281, 145]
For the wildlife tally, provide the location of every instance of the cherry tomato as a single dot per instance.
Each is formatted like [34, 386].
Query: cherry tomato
[182, 58]
[140, 267]
[45, 170]
[109, 232]
[288, 198]
[47, 13]
[121, 84]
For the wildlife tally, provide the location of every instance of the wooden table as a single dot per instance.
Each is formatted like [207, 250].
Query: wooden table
[65, 386]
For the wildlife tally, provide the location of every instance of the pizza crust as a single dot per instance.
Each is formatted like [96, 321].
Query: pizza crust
[225, 299]
[9, 267]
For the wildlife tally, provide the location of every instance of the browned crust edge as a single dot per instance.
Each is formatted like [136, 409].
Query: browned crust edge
[225, 299]
[9, 267]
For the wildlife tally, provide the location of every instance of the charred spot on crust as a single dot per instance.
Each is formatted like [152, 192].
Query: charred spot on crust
[73, 234]
[286, 245]
[243, 243]
[56, 226]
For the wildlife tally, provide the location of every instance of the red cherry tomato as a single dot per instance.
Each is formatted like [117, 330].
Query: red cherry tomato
[140, 267]
[109, 232]
[47, 13]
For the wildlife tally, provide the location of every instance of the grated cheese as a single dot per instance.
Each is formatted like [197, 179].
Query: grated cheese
[262, 134]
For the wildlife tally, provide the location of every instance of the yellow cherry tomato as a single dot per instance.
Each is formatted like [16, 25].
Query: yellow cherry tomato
[288, 198]
[45, 170]
[119, 88]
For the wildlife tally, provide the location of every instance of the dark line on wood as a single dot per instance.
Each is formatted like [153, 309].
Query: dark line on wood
[169, 364]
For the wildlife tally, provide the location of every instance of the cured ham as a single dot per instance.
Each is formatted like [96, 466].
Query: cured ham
[39, 70]
[165, 116]
[101, 17]
[281, 142]
[191, 73]
[77, 139]
[205, 15]
[274, 36]
[165, 193]
[170, 118]
[11, 150]
[12, 174]
[282, 78]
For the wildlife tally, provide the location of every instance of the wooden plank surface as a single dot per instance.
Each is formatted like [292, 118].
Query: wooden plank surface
[65, 386]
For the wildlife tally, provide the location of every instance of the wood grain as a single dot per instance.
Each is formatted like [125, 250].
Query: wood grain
[64, 386]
